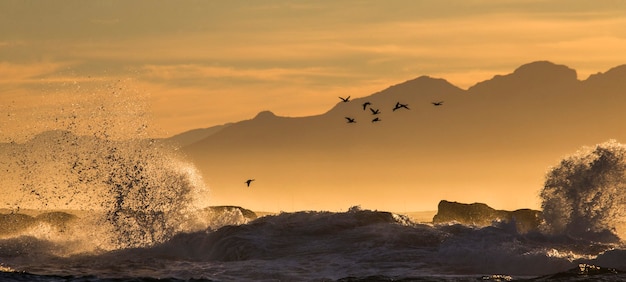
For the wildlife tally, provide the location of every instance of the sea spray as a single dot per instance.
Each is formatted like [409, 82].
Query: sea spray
[148, 195]
[92, 154]
[585, 194]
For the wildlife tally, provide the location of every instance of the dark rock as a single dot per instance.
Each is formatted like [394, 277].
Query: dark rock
[245, 212]
[479, 214]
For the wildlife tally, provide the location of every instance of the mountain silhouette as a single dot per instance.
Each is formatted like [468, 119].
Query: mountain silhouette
[608, 81]
[496, 138]
[536, 75]
[195, 135]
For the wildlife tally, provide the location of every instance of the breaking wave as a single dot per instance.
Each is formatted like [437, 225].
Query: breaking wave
[95, 158]
[585, 194]
[316, 246]
[142, 191]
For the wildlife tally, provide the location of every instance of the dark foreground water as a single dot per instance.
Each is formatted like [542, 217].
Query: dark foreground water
[357, 245]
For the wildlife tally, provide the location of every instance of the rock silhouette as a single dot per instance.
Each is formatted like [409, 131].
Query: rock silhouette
[479, 214]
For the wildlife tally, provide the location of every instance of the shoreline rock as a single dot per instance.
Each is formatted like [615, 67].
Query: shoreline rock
[482, 215]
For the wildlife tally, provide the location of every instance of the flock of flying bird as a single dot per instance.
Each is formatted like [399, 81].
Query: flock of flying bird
[375, 112]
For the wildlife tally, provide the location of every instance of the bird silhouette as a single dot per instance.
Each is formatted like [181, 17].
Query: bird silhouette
[347, 99]
[365, 105]
[375, 111]
[399, 106]
[248, 182]
[376, 120]
[350, 120]
[437, 103]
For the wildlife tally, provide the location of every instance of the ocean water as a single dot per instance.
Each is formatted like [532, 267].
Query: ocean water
[96, 208]
[356, 245]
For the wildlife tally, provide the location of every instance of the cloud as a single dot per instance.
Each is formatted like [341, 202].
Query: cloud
[14, 73]
[321, 36]
[169, 73]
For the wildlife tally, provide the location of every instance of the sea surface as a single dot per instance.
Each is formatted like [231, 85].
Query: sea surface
[355, 245]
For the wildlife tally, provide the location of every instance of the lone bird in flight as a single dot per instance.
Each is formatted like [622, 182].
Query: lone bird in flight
[350, 120]
[399, 106]
[375, 111]
[347, 99]
[437, 103]
[365, 105]
[376, 120]
[248, 182]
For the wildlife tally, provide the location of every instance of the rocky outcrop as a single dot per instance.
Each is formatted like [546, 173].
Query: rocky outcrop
[15, 223]
[248, 214]
[479, 214]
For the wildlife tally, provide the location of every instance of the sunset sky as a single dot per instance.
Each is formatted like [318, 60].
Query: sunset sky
[197, 64]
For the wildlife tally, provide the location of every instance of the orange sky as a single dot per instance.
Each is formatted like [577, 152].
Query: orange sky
[196, 64]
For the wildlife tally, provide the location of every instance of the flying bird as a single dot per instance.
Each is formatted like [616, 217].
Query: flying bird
[437, 103]
[365, 105]
[347, 99]
[248, 182]
[375, 111]
[399, 106]
[376, 120]
[350, 120]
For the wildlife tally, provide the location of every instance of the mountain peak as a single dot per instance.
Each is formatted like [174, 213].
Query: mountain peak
[265, 115]
[539, 74]
[615, 73]
[540, 68]
[423, 82]
[422, 89]
[611, 81]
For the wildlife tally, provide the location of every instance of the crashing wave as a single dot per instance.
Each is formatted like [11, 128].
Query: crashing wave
[142, 190]
[585, 194]
[215, 217]
[17, 223]
[303, 233]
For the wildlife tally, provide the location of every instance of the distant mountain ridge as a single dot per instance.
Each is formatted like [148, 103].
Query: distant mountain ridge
[537, 77]
[498, 135]
[535, 74]
[192, 136]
